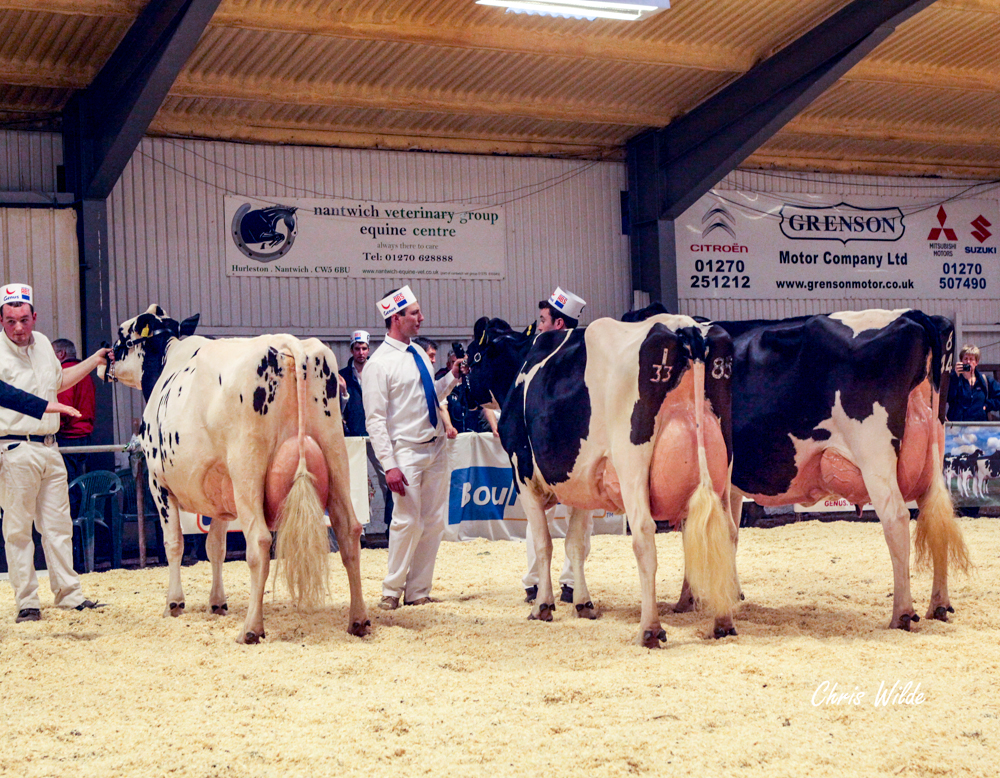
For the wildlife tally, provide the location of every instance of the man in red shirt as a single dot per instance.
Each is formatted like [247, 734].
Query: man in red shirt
[72, 431]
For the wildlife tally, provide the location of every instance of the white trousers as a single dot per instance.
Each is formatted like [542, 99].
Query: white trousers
[566, 577]
[33, 490]
[418, 520]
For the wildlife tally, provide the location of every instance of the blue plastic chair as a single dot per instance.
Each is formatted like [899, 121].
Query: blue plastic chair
[100, 498]
[130, 509]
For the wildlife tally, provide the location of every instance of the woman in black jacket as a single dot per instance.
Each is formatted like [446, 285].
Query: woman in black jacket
[971, 395]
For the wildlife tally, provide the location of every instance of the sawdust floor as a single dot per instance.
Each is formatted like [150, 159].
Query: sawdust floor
[469, 687]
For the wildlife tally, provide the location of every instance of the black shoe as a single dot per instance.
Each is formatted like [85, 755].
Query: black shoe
[89, 604]
[28, 614]
[530, 593]
[567, 594]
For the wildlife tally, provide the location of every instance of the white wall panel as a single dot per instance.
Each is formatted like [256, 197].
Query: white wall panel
[168, 238]
[38, 247]
[28, 161]
[979, 311]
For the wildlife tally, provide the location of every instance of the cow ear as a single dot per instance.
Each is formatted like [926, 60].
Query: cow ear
[189, 325]
[530, 332]
[479, 332]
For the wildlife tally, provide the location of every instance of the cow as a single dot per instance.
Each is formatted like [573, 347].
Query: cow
[244, 429]
[849, 404]
[618, 417]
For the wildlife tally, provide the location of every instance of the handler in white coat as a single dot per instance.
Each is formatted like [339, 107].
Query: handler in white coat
[407, 434]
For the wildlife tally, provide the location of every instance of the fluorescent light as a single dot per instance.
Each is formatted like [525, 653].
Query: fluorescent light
[582, 9]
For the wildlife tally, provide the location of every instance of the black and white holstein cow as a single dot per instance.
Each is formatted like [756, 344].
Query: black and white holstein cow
[618, 417]
[244, 429]
[849, 404]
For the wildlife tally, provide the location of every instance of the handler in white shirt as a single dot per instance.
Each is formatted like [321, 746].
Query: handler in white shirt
[407, 434]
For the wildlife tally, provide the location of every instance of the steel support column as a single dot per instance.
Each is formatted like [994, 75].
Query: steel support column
[102, 126]
[676, 165]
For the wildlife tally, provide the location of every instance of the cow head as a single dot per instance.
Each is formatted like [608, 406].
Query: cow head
[494, 357]
[140, 351]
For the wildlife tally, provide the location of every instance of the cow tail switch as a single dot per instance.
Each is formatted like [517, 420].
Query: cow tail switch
[302, 549]
[939, 540]
[709, 553]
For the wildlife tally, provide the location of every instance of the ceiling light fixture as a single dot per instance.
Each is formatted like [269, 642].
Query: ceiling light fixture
[582, 9]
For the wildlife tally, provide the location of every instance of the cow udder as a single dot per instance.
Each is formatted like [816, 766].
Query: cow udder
[281, 475]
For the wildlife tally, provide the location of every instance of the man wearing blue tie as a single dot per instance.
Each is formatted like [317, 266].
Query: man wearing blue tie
[401, 400]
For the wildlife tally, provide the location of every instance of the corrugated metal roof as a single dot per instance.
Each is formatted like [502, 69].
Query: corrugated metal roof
[450, 75]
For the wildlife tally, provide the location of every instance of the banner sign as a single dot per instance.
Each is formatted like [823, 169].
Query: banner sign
[361, 239]
[742, 245]
[972, 463]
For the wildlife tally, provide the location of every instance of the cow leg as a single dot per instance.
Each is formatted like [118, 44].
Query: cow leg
[347, 528]
[579, 519]
[545, 601]
[939, 538]
[173, 545]
[249, 494]
[215, 547]
[895, 518]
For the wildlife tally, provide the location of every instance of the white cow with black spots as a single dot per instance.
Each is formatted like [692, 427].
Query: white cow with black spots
[244, 429]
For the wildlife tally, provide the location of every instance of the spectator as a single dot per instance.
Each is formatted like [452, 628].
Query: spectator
[971, 395]
[75, 431]
[354, 410]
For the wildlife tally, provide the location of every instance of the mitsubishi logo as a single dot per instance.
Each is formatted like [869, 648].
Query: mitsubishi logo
[981, 233]
[949, 233]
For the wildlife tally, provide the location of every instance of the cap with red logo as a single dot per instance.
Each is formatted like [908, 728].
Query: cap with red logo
[396, 302]
[17, 294]
[360, 336]
[566, 303]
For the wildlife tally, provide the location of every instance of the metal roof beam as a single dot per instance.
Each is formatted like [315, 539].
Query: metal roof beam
[103, 124]
[700, 148]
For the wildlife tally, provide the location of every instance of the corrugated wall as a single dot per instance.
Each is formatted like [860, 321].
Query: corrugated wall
[168, 238]
[965, 311]
[28, 161]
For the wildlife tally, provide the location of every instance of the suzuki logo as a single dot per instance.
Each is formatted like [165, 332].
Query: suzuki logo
[949, 233]
[981, 233]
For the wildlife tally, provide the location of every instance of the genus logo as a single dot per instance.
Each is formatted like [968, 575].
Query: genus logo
[843, 222]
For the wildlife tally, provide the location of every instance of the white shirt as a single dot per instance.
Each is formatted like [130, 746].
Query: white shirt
[33, 368]
[394, 399]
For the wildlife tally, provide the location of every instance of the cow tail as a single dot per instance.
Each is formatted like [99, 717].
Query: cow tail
[709, 551]
[303, 546]
[939, 539]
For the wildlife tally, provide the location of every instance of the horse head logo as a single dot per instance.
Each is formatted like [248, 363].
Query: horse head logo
[264, 234]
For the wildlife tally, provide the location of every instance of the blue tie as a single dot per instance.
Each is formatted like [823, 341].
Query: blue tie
[428, 382]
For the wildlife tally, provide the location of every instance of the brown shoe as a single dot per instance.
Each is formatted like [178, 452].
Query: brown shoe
[389, 603]
[28, 614]
[422, 601]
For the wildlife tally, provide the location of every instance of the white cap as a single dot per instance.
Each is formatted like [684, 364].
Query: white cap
[567, 303]
[17, 294]
[360, 336]
[396, 302]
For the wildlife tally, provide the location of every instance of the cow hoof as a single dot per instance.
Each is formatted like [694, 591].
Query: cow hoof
[250, 638]
[545, 611]
[684, 605]
[723, 632]
[906, 619]
[360, 629]
[652, 638]
[220, 610]
[941, 612]
[174, 609]
[586, 610]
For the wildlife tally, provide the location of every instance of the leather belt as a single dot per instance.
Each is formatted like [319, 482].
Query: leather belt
[47, 440]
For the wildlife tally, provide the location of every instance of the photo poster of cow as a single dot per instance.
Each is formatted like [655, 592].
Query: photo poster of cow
[972, 464]
[327, 238]
[752, 245]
